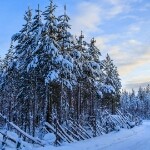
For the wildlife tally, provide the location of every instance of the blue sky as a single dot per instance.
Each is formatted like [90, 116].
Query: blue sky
[121, 28]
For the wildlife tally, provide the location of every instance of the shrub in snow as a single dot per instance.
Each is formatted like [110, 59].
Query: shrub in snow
[131, 124]
[50, 138]
[12, 135]
[117, 128]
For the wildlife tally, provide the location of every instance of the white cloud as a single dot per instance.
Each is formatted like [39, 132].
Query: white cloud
[117, 7]
[134, 28]
[90, 15]
[87, 18]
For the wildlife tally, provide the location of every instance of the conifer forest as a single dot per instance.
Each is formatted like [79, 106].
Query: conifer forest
[52, 82]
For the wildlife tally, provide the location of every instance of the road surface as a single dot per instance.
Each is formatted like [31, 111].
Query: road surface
[137, 138]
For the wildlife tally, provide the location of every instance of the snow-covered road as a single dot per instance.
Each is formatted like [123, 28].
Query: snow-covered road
[137, 138]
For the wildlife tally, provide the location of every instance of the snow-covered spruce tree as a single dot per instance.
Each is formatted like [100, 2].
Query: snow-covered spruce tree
[147, 101]
[77, 54]
[112, 85]
[133, 102]
[90, 77]
[135, 105]
[91, 74]
[97, 74]
[144, 102]
[55, 63]
[67, 78]
[125, 101]
[2, 77]
[10, 86]
[141, 97]
[34, 71]
[7, 82]
[22, 52]
[23, 39]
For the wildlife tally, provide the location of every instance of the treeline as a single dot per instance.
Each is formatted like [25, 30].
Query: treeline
[138, 104]
[49, 73]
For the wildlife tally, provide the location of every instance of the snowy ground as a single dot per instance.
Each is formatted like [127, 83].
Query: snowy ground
[137, 138]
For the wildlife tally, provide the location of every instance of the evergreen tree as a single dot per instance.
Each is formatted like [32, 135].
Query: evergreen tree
[112, 84]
